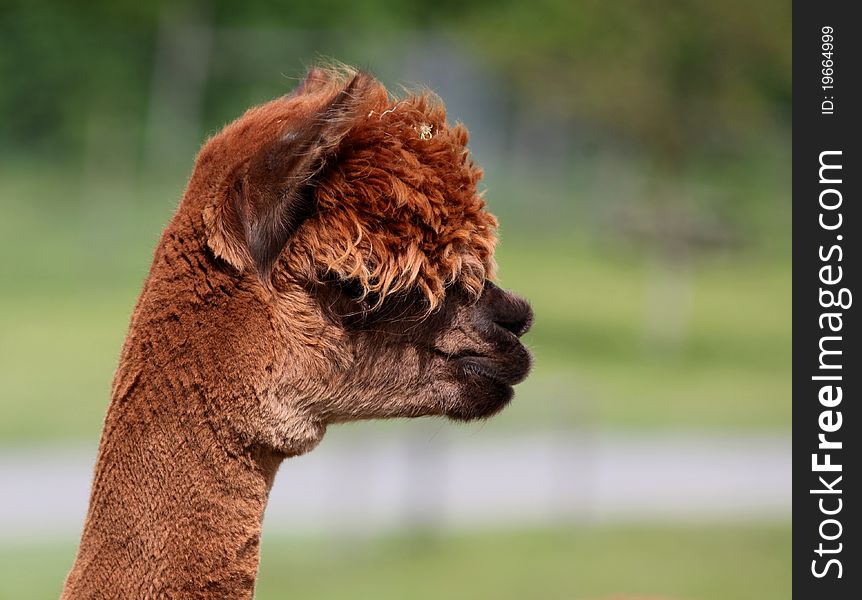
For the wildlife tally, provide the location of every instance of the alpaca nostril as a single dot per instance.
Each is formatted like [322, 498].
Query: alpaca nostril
[506, 310]
[515, 327]
[518, 325]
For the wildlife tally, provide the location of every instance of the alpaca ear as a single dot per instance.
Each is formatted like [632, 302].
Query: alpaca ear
[314, 80]
[273, 192]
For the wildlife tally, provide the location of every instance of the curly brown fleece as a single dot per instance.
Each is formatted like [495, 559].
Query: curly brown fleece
[397, 204]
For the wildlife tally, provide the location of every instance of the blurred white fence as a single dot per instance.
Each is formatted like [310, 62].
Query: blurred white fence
[463, 480]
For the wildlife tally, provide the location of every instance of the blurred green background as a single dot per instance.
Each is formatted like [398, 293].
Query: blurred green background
[636, 153]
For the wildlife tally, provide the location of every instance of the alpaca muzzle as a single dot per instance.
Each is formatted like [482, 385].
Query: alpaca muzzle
[500, 318]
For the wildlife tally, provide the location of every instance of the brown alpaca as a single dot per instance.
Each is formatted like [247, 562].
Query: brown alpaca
[329, 261]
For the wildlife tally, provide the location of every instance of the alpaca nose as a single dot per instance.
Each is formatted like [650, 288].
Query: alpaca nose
[507, 310]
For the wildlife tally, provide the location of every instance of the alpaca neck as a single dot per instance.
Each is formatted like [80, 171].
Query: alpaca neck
[174, 512]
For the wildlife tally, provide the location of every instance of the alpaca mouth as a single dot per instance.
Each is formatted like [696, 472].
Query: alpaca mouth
[508, 367]
[485, 379]
[509, 370]
[486, 382]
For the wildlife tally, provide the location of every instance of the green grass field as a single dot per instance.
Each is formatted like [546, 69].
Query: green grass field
[614, 345]
[674, 562]
[71, 271]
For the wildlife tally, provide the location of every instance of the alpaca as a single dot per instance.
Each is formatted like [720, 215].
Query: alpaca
[330, 260]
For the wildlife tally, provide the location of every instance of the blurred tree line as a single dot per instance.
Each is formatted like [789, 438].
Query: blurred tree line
[671, 78]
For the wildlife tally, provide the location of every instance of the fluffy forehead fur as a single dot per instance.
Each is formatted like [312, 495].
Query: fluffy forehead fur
[392, 200]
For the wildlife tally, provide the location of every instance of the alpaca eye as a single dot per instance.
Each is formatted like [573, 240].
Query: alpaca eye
[368, 301]
[355, 292]
[371, 300]
[351, 288]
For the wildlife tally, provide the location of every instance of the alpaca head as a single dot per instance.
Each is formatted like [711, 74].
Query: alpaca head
[354, 222]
